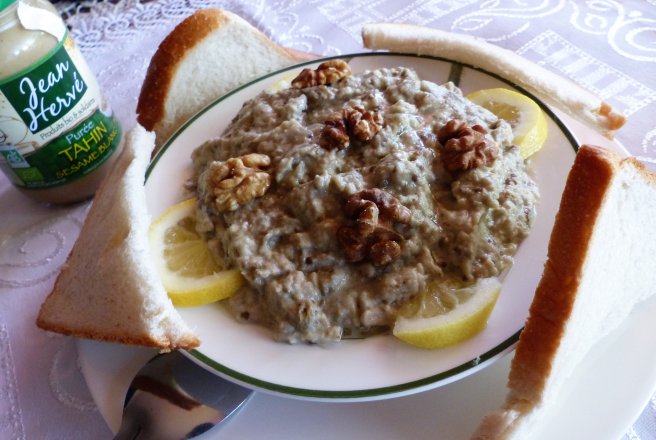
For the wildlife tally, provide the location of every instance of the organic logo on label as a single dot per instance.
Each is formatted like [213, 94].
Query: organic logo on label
[13, 158]
[46, 93]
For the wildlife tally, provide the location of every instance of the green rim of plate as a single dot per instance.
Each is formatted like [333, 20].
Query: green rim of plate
[433, 381]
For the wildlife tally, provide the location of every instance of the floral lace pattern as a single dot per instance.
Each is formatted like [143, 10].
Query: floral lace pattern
[570, 45]
[605, 45]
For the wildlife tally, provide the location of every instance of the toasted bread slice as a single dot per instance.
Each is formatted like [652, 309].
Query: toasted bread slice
[599, 266]
[546, 85]
[108, 288]
[206, 55]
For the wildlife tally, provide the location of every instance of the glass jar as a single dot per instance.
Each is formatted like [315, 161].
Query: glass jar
[58, 135]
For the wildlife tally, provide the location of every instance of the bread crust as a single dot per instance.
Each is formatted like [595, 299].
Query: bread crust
[171, 54]
[569, 96]
[119, 337]
[585, 190]
[590, 181]
[167, 58]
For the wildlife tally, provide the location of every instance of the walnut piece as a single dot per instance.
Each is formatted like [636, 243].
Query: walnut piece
[372, 235]
[364, 124]
[334, 134]
[389, 207]
[238, 180]
[384, 252]
[465, 147]
[325, 74]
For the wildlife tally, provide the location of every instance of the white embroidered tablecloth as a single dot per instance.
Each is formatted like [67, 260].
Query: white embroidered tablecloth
[607, 46]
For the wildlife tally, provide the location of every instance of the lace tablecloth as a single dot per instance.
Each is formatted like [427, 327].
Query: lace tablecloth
[608, 46]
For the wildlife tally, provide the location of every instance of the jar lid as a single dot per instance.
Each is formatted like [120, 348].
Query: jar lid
[5, 3]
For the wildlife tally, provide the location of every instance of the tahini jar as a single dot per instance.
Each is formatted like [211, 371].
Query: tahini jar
[58, 135]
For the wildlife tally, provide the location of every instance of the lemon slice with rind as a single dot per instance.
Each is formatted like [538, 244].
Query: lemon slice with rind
[447, 315]
[188, 269]
[522, 113]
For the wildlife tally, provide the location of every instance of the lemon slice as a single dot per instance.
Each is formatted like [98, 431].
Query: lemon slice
[524, 116]
[188, 269]
[447, 315]
[283, 83]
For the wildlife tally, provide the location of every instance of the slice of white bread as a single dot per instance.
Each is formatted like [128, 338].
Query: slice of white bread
[208, 54]
[599, 266]
[109, 288]
[546, 85]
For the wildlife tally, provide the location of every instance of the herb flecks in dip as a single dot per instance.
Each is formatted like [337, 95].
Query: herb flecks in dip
[357, 217]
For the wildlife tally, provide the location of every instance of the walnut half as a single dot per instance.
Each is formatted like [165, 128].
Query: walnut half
[238, 180]
[325, 74]
[356, 121]
[364, 124]
[465, 147]
[372, 236]
[334, 134]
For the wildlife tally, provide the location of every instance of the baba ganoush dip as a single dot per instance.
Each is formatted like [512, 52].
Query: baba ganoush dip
[340, 197]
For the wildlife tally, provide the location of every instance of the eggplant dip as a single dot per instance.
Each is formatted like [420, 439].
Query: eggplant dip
[341, 197]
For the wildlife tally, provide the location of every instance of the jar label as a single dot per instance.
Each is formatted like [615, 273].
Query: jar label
[55, 126]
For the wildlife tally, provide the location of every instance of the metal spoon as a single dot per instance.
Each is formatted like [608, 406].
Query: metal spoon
[172, 398]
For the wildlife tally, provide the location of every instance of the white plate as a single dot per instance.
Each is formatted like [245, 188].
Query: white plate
[600, 401]
[381, 366]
